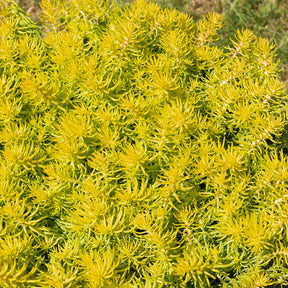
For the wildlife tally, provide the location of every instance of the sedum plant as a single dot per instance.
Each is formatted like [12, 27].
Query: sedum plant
[137, 153]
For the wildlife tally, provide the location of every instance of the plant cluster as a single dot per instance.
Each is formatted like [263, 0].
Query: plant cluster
[266, 18]
[136, 153]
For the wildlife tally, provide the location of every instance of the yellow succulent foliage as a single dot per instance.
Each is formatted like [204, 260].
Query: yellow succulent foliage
[136, 152]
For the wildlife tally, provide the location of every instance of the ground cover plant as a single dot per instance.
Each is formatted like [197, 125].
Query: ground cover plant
[267, 18]
[137, 153]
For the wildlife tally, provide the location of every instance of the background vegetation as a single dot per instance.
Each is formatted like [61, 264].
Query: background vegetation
[267, 18]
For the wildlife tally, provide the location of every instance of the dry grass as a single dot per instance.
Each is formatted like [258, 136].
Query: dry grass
[32, 7]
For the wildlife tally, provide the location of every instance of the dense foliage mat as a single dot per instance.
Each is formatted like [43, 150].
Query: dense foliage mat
[136, 153]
